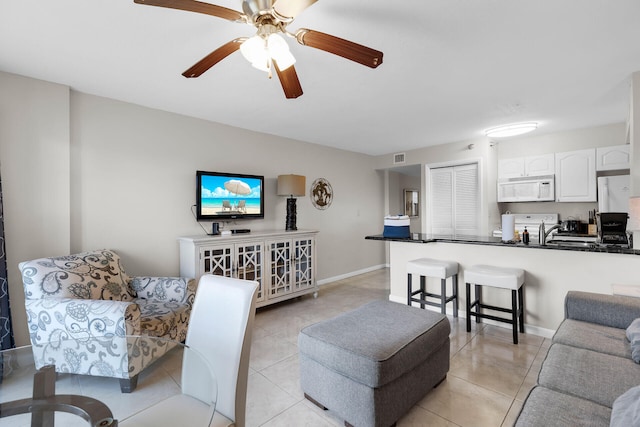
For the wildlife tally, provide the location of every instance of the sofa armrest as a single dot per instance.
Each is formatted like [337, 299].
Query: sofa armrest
[609, 310]
[165, 289]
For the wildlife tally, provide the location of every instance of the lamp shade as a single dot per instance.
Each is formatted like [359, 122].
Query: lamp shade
[634, 214]
[291, 185]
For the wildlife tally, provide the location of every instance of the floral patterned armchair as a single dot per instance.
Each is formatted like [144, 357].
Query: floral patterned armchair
[81, 308]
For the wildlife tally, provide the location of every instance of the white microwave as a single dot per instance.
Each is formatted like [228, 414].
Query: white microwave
[527, 189]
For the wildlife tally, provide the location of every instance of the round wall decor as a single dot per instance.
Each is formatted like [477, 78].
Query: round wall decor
[321, 194]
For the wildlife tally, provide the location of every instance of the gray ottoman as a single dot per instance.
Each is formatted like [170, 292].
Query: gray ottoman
[372, 364]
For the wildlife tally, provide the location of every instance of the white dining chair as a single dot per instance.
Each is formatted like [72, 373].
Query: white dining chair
[220, 332]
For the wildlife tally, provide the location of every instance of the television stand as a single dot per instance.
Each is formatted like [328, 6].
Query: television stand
[282, 262]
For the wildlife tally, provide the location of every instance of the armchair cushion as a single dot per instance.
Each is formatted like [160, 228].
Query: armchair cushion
[96, 275]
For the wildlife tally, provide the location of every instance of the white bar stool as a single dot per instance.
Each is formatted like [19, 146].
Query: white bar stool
[427, 267]
[497, 277]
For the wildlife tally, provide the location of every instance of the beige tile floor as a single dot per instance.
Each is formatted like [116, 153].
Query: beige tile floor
[488, 380]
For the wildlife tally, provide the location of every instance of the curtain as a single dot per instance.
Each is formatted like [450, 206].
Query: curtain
[6, 333]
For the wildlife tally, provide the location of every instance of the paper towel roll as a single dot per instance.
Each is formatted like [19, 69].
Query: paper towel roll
[508, 227]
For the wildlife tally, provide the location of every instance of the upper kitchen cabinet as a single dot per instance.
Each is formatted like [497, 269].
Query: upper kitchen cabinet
[526, 166]
[612, 158]
[576, 176]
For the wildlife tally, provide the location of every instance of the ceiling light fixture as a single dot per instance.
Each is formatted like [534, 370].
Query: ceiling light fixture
[266, 46]
[513, 129]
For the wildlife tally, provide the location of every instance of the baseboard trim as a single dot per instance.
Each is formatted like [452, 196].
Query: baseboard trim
[351, 274]
[529, 329]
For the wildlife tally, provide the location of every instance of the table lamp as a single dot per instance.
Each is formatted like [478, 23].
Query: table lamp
[292, 186]
[634, 221]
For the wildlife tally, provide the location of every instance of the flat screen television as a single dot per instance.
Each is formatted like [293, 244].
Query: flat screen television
[229, 196]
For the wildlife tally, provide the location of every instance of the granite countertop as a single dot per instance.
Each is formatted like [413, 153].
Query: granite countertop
[497, 241]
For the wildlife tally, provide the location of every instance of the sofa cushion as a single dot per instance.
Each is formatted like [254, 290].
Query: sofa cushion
[376, 343]
[164, 319]
[592, 336]
[590, 375]
[545, 408]
[611, 310]
[633, 334]
[626, 409]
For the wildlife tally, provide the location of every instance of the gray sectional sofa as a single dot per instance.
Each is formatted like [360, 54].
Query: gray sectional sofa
[589, 365]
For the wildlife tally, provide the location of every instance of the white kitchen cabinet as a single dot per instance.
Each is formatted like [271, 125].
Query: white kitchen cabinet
[283, 263]
[526, 166]
[511, 168]
[613, 158]
[576, 176]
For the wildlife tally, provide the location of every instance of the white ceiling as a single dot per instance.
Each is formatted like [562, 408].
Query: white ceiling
[451, 69]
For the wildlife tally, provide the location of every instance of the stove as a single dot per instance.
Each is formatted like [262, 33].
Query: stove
[532, 223]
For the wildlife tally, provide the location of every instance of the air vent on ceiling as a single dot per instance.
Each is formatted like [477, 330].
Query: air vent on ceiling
[398, 158]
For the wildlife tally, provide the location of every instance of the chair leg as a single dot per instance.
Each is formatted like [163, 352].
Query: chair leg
[454, 283]
[521, 304]
[479, 299]
[423, 290]
[409, 289]
[468, 304]
[128, 385]
[514, 315]
[443, 296]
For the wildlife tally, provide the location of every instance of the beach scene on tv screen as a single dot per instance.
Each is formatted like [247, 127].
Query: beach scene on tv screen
[222, 195]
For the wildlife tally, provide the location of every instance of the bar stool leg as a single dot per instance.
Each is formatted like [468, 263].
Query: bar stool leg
[454, 284]
[409, 291]
[479, 300]
[514, 315]
[423, 290]
[468, 304]
[521, 303]
[443, 296]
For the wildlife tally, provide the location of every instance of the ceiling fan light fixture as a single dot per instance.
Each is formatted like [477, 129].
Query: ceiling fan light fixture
[513, 129]
[279, 51]
[259, 50]
[254, 50]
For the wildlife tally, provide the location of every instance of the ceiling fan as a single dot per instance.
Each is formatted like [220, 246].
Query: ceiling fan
[267, 50]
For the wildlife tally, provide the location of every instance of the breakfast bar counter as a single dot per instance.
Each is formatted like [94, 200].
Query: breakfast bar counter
[550, 270]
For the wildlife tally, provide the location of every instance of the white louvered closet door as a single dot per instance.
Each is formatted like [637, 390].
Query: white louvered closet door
[454, 200]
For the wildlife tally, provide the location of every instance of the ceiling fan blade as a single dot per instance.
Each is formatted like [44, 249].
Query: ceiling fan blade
[289, 81]
[341, 47]
[214, 57]
[291, 8]
[197, 6]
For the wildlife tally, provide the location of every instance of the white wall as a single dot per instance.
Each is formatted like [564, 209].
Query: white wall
[82, 172]
[34, 163]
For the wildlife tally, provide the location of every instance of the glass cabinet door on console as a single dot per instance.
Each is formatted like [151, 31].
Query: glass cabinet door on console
[303, 264]
[217, 260]
[279, 282]
[248, 264]
[242, 261]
